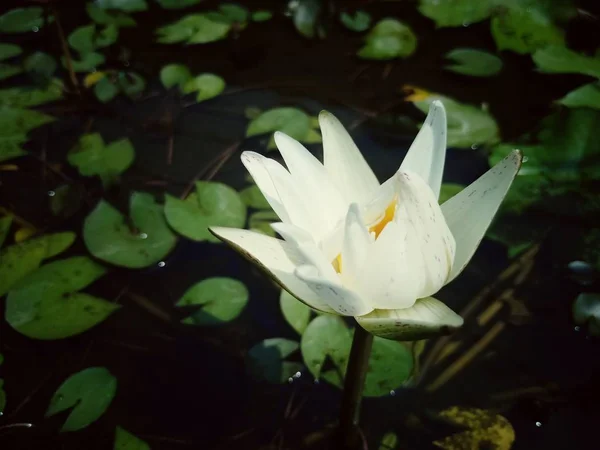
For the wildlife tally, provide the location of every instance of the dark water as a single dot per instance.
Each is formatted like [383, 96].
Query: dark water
[187, 387]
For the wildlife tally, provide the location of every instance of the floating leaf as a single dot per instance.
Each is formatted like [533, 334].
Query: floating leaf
[389, 39]
[267, 360]
[296, 313]
[254, 198]
[177, 4]
[87, 63]
[16, 123]
[586, 96]
[523, 28]
[305, 16]
[40, 66]
[456, 13]
[103, 17]
[474, 62]
[261, 16]
[24, 97]
[66, 200]
[89, 393]
[19, 260]
[131, 83]
[360, 21]
[8, 51]
[586, 310]
[22, 20]
[92, 157]
[5, 223]
[389, 441]
[328, 338]
[123, 5]
[233, 12]
[484, 428]
[193, 29]
[105, 90]
[10, 147]
[82, 38]
[222, 300]
[7, 71]
[291, 121]
[213, 204]
[449, 190]
[141, 241]
[124, 440]
[174, 75]
[207, 85]
[261, 221]
[46, 305]
[559, 59]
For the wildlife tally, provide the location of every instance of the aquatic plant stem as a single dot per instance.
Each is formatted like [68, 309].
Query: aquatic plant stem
[356, 372]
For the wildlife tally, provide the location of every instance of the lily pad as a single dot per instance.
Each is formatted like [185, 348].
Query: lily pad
[296, 313]
[306, 15]
[267, 360]
[19, 260]
[140, 241]
[105, 17]
[476, 63]
[586, 96]
[174, 75]
[177, 4]
[193, 29]
[24, 97]
[92, 157]
[261, 221]
[123, 5]
[586, 310]
[17, 122]
[124, 440]
[456, 13]
[292, 121]
[233, 12]
[213, 204]
[87, 62]
[105, 90]
[327, 340]
[9, 70]
[359, 21]
[131, 83]
[82, 38]
[261, 16]
[22, 20]
[40, 66]
[89, 392]
[389, 39]
[254, 198]
[5, 223]
[8, 51]
[222, 300]
[559, 59]
[207, 85]
[46, 305]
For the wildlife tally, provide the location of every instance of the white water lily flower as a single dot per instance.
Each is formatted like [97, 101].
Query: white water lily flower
[357, 248]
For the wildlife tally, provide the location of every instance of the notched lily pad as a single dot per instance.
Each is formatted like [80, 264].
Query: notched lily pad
[473, 62]
[140, 241]
[22, 20]
[292, 121]
[296, 313]
[389, 39]
[267, 360]
[205, 85]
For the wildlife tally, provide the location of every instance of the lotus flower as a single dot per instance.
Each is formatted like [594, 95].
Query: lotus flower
[356, 248]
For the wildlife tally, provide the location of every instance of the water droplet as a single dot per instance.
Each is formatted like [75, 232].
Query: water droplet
[297, 375]
[290, 380]
[317, 381]
[393, 393]
[525, 159]
[474, 147]
[126, 63]
[35, 29]
[162, 264]
[144, 236]
[51, 193]
[538, 424]
[577, 328]
[466, 24]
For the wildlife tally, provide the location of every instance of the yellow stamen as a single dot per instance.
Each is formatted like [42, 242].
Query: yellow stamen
[414, 93]
[337, 263]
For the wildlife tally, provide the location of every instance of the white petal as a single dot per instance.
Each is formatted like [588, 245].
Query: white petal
[427, 154]
[389, 278]
[311, 178]
[420, 215]
[357, 241]
[276, 257]
[427, 318]
[470, 212]
[374, 210]
[344, 162]
[340, 299]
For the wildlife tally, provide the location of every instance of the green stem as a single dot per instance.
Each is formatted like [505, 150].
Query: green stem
[354, 383]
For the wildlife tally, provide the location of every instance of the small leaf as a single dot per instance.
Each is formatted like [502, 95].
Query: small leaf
[234, 12]
[16, 122]
[296, 313]
[474, 62]
[213, 204]
[5, 223]
[131, 84]
[360, 21]
[456, 13]
[40, 66]
[177, 4]
[306, 16]
[261, 16]
[193, 29]
[174, 75]
[104, 17]
[123, 5]
[207, 85]
[267, 360]
[107, 36]
[586, 96]
[559, 59]
[8, 51]
[389, 39]
[22, 20]
[291, 121]
[88, 62]
[109, 237]
[23, 97]
[105, 90]
[389, 441]
[222, 300]
[10, 147]
[46, 305]
[8, 70]
[89, 393]
[124, 440]
[83, 39]
[254, 198]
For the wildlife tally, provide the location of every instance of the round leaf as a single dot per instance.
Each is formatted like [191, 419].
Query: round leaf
[105, 90]
[22, 20]
[359, 22]
[45, 304]
[104, 17]
[23, 97]
[83, 39]
[124, 440]
[261, 16]
[456, 13]
[8, 51]
[207, 85]
[474, 62]
[123, 5]
[389, 39]
[131, 84]
[267, 360]
[254, 198]
[586, 96]
[174, 75]
[193, 29]
[177, 4]
[87, 62]
[40, 66]
[222, 300]
[234, 12]
[296, 313]
[213, 204]
[88, 392]
[291, 121]
[109, 237]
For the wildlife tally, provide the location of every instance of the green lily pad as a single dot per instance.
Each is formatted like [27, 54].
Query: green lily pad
[456, 13]
[233, 12]
[17, 122]
[174, 75]
[359, 21]
[254, 198]
[8, 51]
[476, 63]
[105, 90]
[5, 223]
[10, 147]
[467, 125]
[8, 70]
[389, 39]
[261, 221]
[306, 15]
[46, 305]
[193, 29]
[524, 28]
[66, 200]
[177, 4]
[40, 66]
[19, 260]
[104, 17]
[586, 96]
[389, 441]
[87, 62]
[261, 16]
[559, 59]
[89, 392]
[23, 97]
[131, 83]
[296, 313]
[213, 204]
[92, 157]
[327, 338]
[222, 300]
[292, 121]
[22, 20]
[123, 5]
[449, 190]
[124, 440]
[207, 85]
[141, 241]
[82, 38]
[267, 360]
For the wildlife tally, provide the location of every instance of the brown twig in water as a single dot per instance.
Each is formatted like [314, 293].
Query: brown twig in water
[150, 307]
[66, 51]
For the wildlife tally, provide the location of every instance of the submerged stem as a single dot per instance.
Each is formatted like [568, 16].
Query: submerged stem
[349, 437]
